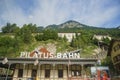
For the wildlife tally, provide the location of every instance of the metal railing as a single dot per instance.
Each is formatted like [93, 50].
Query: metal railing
[34, 78]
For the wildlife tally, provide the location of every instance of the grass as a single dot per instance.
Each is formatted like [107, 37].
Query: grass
[61, 46]
[88, 51]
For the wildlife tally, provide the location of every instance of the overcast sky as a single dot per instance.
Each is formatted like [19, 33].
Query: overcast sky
[100, 13]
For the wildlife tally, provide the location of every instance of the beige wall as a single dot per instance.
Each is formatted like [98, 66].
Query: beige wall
[100, 37]
[69, 36]
[41, 71]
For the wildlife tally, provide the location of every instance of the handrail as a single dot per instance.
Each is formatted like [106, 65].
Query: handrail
[34, 78]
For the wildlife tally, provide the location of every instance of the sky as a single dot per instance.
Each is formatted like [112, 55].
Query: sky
[99, 13]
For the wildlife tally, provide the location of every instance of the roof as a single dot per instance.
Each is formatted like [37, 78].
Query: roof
[50, 61]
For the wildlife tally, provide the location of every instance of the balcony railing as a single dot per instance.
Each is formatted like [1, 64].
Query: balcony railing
[31, 78]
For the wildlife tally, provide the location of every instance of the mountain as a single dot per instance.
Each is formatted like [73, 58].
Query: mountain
[54, 26]
[67, 24]
[71, 24]
[118, 27]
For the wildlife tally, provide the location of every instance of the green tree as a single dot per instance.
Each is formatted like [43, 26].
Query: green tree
[65, 39]
[108, 62]
[39, 37]
[32, 27]
[50, 34]
[10, 28]
[25, 34]
[8, 46]
[46, 35]
[106, 40]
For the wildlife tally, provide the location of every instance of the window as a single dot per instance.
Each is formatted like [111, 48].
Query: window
[75, 70]
[75, 73]
[20, 73]
[34, 73]
[47, 73]
[60, 73]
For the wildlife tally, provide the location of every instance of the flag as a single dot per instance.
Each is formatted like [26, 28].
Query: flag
[5, 61]
[36, 62]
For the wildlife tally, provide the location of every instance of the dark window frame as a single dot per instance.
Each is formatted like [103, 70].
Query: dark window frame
[60, 73]
[20, 73]
[75, 71]
[47, 73]
[34, 73]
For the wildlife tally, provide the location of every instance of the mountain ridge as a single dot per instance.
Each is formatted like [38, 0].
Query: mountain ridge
[68, 24]
[118, 27]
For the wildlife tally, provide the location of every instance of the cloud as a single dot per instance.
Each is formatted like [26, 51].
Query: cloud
[13, 14]
[46, 12]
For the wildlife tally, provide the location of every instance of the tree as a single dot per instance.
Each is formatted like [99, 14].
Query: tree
[108, 62]
[106, 40]
[50, 34]
[65, 39]
[75, 43]
[95, 41]
[32, 27]
[47, 34]
[39, 37]
[8, 46]
[25, 34]
[10, 28]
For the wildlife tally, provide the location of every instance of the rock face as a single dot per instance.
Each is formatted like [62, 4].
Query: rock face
[45, 50]
[52, 48]
[49, 48]
[68, 24]
[71, 24]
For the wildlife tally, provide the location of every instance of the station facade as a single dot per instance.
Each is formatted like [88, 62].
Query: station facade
[39, 66]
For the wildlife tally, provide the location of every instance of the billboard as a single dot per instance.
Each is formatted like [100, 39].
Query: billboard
[101, 72]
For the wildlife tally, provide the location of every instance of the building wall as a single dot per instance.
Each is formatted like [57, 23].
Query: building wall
[27, 71]
[69, 36]
[115, 55]
[100, 37]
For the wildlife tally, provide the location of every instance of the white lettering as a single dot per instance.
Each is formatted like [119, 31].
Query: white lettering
[65, 55]
[76, 55]
[59, 55]
[49, 55]
[71, 55]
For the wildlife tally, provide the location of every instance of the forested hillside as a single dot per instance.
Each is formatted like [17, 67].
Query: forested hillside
[14, 39]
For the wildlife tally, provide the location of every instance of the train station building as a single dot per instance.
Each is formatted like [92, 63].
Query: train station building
[39, 67]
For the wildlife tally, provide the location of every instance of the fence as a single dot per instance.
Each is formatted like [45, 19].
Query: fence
[31, 78]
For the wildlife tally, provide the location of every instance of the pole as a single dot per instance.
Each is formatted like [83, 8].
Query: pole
[68, 71]
[40, 70]
[68, 68]
[82, 72]
[7, 72]
[24, 70]
[54, 71]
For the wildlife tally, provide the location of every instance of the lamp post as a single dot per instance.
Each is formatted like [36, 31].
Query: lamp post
[5, 60]
[68, 68]
[54, 71]
[36, 63]
[7, 71]
[24, 70]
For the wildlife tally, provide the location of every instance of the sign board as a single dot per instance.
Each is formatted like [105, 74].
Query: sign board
[100, 71]
[44, 53]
